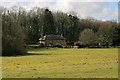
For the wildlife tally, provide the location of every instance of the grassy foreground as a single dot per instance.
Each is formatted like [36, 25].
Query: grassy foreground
[62, 63]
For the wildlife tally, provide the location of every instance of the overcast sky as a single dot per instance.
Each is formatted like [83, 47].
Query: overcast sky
[99, 9]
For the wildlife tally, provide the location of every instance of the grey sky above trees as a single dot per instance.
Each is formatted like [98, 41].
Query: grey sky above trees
[102, 9]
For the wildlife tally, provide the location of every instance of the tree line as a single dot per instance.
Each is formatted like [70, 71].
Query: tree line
[21, 26]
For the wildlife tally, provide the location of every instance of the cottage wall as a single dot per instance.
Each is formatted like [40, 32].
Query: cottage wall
[54, 42]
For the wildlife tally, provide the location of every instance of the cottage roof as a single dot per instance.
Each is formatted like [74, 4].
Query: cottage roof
[52, 37]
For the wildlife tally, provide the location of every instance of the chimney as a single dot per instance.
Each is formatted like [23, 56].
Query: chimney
[61, 35]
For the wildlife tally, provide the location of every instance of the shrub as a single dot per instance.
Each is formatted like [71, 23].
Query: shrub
[41, 45]
[12, 46]
[59, 46]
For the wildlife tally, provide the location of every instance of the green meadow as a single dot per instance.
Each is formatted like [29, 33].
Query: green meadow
[62, 63]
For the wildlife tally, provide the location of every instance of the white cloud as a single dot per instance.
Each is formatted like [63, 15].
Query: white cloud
[60, 0]
[115, 14]
[8, 4]
[84, 8]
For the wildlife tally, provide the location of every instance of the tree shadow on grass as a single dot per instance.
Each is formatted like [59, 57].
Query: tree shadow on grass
[28, 54]
[37, 54]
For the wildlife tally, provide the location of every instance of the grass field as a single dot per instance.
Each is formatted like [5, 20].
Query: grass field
[62, 63]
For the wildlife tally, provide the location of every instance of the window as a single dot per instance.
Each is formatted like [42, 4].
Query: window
[57, 40]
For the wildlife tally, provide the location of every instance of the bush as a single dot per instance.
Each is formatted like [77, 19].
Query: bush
[41, 45]
[59, 46]
[12, 46]
[70, 43]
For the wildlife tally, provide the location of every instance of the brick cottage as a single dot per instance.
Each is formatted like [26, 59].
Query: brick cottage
[52, 40]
